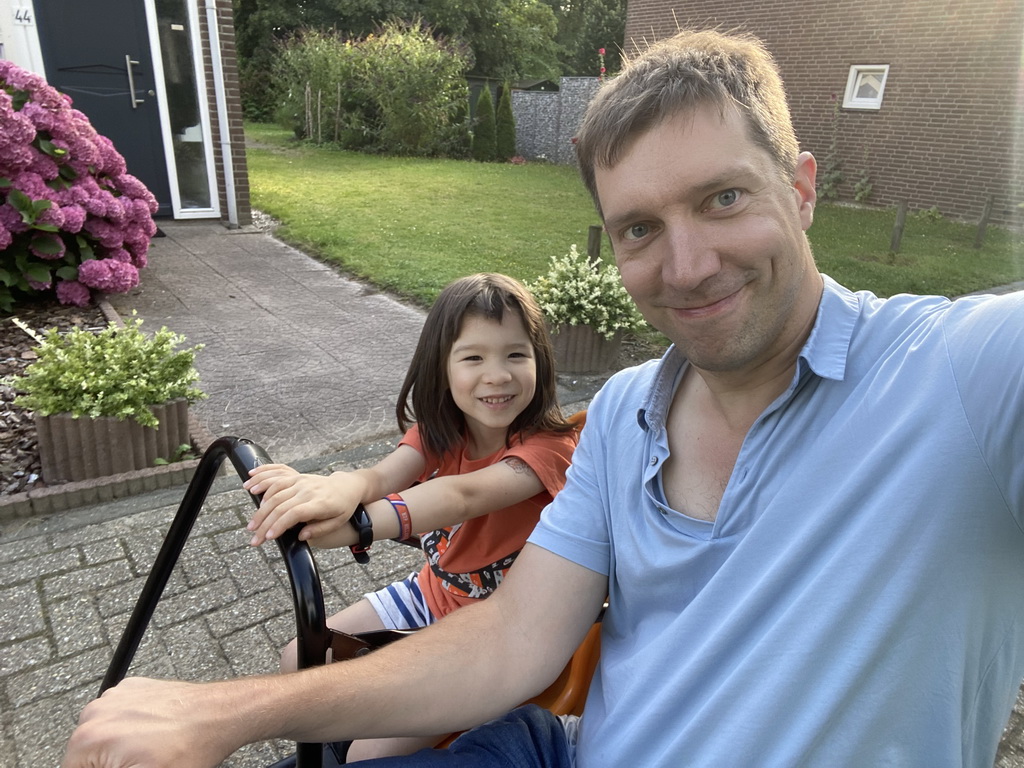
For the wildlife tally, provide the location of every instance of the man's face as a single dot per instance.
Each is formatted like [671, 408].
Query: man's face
[709, 239]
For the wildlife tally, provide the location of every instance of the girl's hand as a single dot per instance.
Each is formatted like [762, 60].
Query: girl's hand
[289, 498]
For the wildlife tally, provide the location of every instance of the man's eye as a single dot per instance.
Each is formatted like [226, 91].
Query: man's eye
[636, 232]
[725, 198]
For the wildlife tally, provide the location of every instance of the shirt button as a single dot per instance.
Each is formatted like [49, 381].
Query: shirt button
[654, 461]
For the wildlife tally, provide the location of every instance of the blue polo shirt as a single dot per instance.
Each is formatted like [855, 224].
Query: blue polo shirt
[859, 600]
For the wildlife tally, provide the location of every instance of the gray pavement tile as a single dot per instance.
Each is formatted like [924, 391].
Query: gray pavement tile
[42, 729]
[250, 651]
[90, 578]
[103, 551]
[21, 613]
[121, 598]
[24, 654]
[247, 612]
[76, 625]
[41, 565]
[58, 677]
[251, 572]
[194, 652]
[202, 567]
[194, 602]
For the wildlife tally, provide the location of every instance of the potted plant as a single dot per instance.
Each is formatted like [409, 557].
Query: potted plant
[72, 219]
[587, 310]
[109, 402]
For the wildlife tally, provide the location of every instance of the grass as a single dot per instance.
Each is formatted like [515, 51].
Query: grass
[411, 225]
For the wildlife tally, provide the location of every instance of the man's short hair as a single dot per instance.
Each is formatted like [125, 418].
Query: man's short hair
[686, 71]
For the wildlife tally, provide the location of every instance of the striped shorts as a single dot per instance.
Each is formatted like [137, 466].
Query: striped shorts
[401, 605]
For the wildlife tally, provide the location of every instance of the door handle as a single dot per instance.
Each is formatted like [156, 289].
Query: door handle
[129, 62]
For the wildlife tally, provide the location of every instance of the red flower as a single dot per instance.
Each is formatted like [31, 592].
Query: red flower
[600, 51]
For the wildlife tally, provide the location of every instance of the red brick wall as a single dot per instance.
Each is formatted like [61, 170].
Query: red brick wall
[229, 65]
[945, 135]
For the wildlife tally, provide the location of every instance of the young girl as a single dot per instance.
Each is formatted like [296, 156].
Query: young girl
[486, 443]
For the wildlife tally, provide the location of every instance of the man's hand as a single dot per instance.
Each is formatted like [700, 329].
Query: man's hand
[148, 724]
[325, 503]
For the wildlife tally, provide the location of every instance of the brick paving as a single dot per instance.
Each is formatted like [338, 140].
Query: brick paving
[69, 582]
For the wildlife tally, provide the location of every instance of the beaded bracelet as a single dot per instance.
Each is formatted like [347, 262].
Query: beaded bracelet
[360, 520]
[404, 520]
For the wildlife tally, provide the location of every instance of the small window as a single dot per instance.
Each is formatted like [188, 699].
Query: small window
[865, 85]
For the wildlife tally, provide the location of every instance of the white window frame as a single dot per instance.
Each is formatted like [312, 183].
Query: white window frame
[857, 72]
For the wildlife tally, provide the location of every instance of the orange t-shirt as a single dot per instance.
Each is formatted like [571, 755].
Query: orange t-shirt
[466, 562]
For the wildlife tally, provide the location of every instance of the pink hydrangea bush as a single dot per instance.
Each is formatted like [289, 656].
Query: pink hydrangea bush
[72, 219]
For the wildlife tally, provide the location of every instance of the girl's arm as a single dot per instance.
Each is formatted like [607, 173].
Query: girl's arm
[444, 501]
[290, 498]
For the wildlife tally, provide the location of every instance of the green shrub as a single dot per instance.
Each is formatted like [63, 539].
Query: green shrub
[505, 126]
[484, 132]
[117, 372]
[398, 91]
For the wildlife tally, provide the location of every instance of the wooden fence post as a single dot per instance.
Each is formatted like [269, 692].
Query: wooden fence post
[979, 237]
[594, 241]
[897, 230]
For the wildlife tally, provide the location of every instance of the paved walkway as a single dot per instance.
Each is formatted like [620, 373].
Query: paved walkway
[297, 358]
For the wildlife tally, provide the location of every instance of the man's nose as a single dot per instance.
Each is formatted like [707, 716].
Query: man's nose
[691, 259]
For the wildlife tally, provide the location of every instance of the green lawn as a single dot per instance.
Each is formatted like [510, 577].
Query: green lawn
[412, 225]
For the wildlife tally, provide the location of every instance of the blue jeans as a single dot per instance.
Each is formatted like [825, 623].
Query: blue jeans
[527, 737]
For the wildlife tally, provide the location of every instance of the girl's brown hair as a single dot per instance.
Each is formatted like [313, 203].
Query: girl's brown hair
[426, 398]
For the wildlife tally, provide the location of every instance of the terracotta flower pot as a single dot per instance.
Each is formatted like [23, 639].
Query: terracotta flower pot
[73, 449]
[581, 349]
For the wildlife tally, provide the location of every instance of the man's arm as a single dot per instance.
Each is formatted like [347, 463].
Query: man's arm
[492, 656]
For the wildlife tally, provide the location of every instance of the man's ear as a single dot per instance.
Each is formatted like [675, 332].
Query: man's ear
[804, 189]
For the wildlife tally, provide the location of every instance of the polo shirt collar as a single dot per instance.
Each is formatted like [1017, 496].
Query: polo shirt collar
[825, 352]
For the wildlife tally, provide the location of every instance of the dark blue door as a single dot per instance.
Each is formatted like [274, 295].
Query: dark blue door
[98, 53]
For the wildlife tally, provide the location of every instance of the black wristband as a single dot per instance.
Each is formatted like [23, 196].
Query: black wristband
[364, 527]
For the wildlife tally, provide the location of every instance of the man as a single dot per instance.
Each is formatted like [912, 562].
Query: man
[807, 516]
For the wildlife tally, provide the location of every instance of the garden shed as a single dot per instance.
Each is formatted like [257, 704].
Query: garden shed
[917, 100]
[159, 79]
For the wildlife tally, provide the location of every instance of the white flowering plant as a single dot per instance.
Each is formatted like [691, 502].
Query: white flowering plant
[118, 372]
[578, 291]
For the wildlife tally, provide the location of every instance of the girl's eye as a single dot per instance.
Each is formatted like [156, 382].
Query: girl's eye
[636, 232]
[725, 198]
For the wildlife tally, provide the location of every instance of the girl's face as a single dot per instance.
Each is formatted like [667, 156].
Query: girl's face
[492, 374]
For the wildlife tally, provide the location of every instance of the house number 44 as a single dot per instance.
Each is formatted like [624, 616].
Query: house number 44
[23, 16]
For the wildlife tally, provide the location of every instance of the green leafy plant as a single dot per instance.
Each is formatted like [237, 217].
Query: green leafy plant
[182, 452]
[505, 126]
[117, 372]
[862, 188]
[932, 214]
[397, 91]
[484, 130]
[578, 291]
[831, 175]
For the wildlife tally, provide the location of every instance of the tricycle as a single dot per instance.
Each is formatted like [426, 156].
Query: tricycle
[317, 643]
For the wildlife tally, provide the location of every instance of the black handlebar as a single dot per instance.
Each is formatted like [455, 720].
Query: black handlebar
[307, 592]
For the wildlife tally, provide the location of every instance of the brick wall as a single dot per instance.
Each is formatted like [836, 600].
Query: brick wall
[949, 133]
[236, 136]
